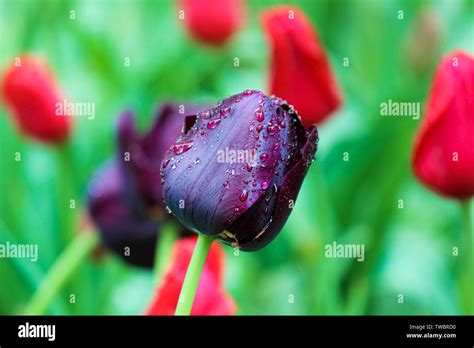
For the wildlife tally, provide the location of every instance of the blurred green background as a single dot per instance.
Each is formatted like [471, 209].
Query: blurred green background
[408, 250]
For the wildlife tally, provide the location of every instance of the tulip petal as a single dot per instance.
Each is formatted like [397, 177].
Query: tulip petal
[212, 22]
[142, 170]
[443, 157]
[121, 227]
[300, 70]
[31, 92]
[263, 230]
[196, 179]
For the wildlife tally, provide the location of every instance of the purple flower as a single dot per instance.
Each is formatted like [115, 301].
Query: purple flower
[142, 154]
[121, 225]
[125, 198]
[236, 170]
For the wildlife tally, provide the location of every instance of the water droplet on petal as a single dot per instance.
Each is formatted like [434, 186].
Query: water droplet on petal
[213, 124]
[165, 163]
[244, 195]
[226, 184]
[205, 114]
[182, 147]
[259, 115]
[259, 128]
[276, 146]
[264, 185]
[272, 129]
[263, 157]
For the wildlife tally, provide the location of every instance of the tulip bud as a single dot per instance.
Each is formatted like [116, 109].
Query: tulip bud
[300, 71]
[29, 90]
[128, 231]
[212, 22]
[211, 298]
[443, 156]
[236, 170]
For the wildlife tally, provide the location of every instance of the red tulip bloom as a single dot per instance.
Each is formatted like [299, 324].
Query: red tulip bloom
[212, 22]
[30, 91]
[211, 298]
[300, 70]
[443, 157]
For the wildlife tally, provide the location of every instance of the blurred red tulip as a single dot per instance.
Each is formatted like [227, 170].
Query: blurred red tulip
[212, 22]
[211, 298]
[30, 91]
[300, 70]
[443, 157]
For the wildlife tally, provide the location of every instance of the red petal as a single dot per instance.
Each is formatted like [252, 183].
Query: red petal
[212, 21]
[211, 298]
[30, 91]
[300, 70]
[448, 128]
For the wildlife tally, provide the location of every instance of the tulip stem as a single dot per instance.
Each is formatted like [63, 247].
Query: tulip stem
[65, 192]
[467, 274]
[60, 272]
[164, 247]
[193, 274]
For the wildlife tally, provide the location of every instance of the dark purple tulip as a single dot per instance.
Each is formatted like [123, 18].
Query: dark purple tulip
[245, 199]
[142, 154]
[125, 198]
[118, 224]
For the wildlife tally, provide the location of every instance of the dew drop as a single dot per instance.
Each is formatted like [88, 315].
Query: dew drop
[259, 115]
[244, 195]
[226, 184]
[264, 185]
[263, 157]
[272, 129]
[165, 163]
[259, 128]
[213, 124]
[205, 114]
[180, 148]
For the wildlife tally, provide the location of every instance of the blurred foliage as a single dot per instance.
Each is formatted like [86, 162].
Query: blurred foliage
[407, 251]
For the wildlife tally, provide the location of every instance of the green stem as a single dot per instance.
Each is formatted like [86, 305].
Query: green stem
[467, 250]
[193, 274]
[60, 272]
[164, 248]
[65, 191]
